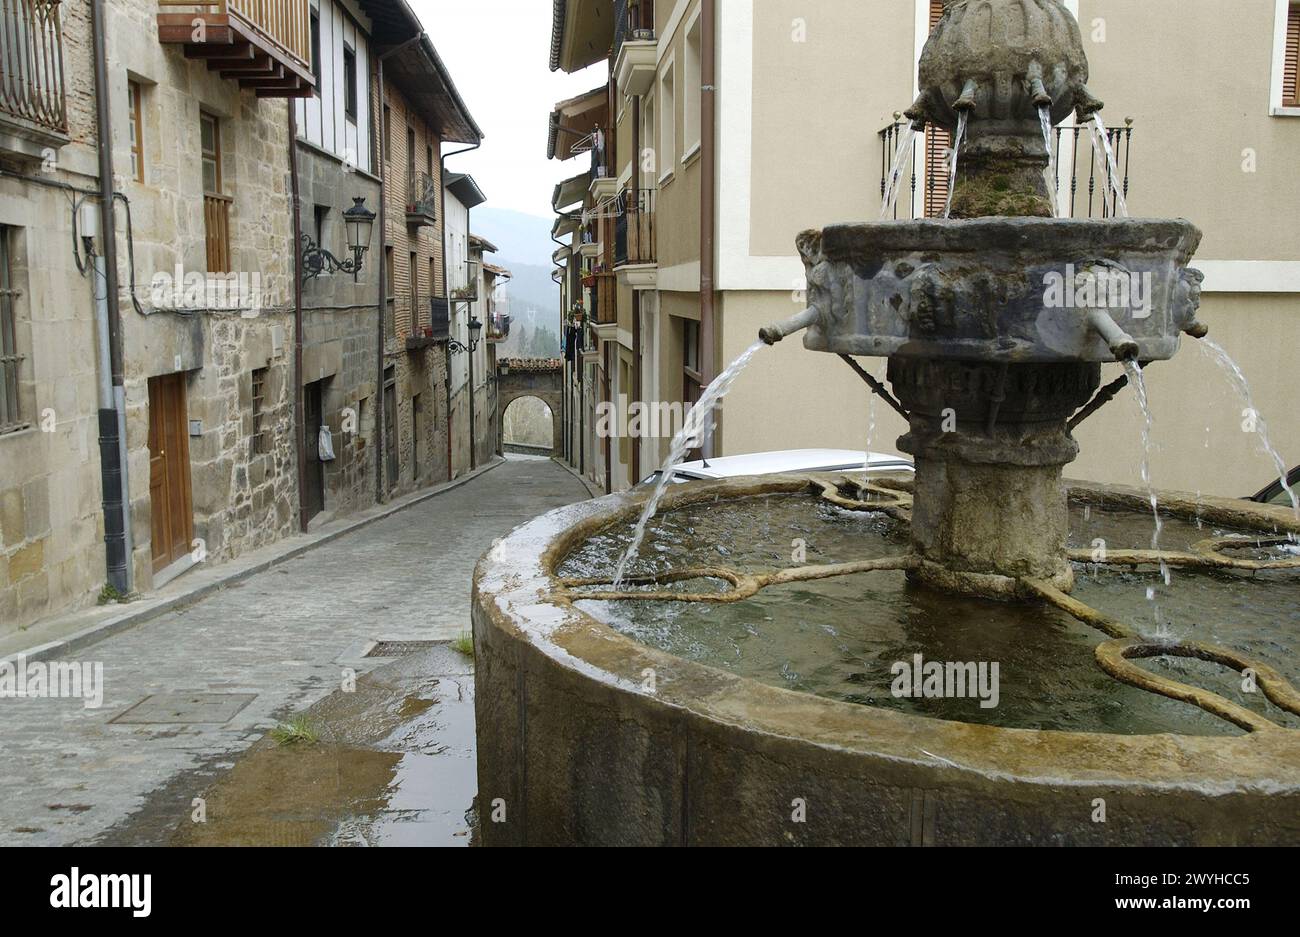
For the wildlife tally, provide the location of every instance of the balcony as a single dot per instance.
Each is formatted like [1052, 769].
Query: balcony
[467, 292]
[603, 289]
[1083, 181]
[262, 44]
[498, 329]
[33, 106]
[634, 229]
[635, 51]
[421, 201]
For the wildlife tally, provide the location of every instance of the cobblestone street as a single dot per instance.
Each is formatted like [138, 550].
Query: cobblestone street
[283, 638]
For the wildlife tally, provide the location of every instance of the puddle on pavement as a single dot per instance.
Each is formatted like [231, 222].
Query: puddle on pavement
[394, 766]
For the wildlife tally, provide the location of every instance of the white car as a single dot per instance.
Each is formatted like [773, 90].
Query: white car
[787, 460]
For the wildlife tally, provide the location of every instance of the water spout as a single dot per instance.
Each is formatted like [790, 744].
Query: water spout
[1122, 345]
[770, 335]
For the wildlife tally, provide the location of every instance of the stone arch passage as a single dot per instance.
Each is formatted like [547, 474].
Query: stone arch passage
[542, 378]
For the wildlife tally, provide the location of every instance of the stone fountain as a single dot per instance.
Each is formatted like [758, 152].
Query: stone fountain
[995, 323]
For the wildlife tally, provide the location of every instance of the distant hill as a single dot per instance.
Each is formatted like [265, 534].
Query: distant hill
[534, 302]
[522, 238]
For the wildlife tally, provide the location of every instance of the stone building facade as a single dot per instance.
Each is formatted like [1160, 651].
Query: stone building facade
[207, 262]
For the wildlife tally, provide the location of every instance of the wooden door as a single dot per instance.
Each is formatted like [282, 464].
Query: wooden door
[314, 487]
[172, 517]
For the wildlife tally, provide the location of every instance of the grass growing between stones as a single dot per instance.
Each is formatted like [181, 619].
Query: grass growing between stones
[297, 730]
[464, 644]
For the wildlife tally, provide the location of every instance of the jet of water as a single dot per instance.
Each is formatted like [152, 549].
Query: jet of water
[1045, 118]
[952, 170]
[1237, 378]
[1138, 380]
[1101, 143]
[902, 156]
[698, 423]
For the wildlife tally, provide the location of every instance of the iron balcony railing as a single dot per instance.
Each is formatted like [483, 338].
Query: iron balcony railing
[31, 63]
[1083, 181]
[285, 23]
[422, 195]
[634, 228]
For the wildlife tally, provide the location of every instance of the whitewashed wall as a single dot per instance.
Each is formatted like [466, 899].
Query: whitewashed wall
[322, 118]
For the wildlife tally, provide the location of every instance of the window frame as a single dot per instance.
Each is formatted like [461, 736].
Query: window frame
[351, 98]
[135, 123]
[692, 78]
[666, 115]
[214, 154]
[316, 62]
[1286, 43]
[12, 359]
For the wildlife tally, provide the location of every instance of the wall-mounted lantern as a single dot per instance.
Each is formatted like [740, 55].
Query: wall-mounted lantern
[359, 223]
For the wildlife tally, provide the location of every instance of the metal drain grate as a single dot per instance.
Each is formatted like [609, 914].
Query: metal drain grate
[401, 648]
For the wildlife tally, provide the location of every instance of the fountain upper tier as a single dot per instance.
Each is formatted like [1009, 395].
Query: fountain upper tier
[1003, 290]
[1003, 64]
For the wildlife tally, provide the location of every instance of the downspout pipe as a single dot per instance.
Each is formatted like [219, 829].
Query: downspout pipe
[451, 306]
[300, 440]
[381, 485]
[708, 197]
[112, 418]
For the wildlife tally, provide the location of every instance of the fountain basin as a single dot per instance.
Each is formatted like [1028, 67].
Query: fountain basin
[1007, 290]
[588, 736]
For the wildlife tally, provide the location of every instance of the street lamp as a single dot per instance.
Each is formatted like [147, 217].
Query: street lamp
[475, 327]
[359, 223]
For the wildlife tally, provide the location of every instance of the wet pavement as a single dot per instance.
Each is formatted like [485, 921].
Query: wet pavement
[394, 759]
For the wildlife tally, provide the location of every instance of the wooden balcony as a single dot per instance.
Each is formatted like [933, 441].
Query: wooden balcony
[33, 107]
[262, 44]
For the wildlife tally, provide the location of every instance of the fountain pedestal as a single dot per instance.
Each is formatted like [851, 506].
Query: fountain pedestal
[990, 443]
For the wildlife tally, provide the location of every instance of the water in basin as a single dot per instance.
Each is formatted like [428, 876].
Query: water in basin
[839, 637]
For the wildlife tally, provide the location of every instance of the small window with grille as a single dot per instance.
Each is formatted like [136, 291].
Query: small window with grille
[260, 436]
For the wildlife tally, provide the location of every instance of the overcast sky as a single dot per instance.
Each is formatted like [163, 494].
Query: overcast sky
[498, 53]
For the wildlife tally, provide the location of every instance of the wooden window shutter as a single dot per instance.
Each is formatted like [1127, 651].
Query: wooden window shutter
[1290, 83]
[937, 142]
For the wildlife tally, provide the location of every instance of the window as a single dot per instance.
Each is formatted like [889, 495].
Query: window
[647, 166]
[417, 443]
[259, 442]
[350, 82]
[667, 109]
[210, 136]
[428, 160]
[1291, 61]
[691, 90]
[415, 292]
[388, 137]
[322, 218]
[410, 155]
[315, 49]
[136, 121]
[216, 206]
[433, 275]
[10, 360]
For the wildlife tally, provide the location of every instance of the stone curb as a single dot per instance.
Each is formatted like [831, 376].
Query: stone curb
[594, 490]
[112, 626]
